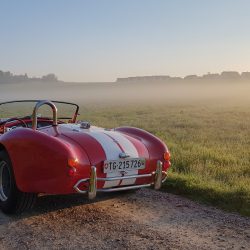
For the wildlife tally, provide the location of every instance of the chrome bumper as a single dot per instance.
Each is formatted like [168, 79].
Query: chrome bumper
[159, 177]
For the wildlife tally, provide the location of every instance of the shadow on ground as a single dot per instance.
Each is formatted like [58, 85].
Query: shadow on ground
[51, 203]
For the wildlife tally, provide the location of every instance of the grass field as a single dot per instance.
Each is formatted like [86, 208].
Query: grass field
[209, 140]
[210, 147]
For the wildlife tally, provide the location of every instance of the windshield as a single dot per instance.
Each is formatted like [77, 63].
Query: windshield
[24, 108]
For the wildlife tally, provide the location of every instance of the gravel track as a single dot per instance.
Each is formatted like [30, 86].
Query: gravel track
[146, 219]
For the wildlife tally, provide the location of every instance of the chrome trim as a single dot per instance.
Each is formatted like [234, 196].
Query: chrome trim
[166, 176]
[124, 155]
[124, 177]
[38, 105]
[92, 181]
[84, 124]
[78, 189]
[158, 176]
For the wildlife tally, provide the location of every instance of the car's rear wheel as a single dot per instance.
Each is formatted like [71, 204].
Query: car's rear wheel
[12, 200]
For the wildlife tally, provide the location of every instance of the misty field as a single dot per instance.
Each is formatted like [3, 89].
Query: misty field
[206, 127]
[210, 147]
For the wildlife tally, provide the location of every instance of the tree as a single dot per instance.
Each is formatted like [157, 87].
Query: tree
[50, 78]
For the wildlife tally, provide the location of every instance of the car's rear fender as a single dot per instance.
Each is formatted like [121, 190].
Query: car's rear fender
[155, 146]
[40, 161]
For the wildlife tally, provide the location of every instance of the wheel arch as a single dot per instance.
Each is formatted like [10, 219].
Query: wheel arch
[39, 161]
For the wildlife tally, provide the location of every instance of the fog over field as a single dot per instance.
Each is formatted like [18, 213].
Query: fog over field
[116, 93]
[205, 125]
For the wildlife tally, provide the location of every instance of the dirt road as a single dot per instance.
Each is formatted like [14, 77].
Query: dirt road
[143, 220]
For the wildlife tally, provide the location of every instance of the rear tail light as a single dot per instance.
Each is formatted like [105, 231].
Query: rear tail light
[71, 171]
[167, 156]
[72, 163]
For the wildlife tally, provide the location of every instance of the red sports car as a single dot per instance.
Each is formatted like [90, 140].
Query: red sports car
[46, 155]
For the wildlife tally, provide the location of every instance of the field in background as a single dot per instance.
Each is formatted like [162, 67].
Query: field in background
[206, 127]
[210, 146]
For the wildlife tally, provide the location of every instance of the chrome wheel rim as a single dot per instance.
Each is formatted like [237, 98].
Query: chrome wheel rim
[5, 181]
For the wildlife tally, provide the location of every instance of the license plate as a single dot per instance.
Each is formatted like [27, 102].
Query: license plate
[124, 165]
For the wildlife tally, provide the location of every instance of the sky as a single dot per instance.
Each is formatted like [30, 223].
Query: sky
[92, 41]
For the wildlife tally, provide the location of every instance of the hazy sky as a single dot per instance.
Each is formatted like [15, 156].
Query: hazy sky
[100, 40]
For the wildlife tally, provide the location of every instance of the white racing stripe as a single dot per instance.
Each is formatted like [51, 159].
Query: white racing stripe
[109, 141]
[128, 148]
[125, 143]
[112, 152]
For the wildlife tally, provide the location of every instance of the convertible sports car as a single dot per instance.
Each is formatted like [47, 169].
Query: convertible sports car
[46, 155]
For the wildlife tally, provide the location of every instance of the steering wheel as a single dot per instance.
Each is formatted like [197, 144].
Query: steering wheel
[13, 119]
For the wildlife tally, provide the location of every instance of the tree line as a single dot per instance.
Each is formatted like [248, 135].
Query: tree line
[223, 76]
[8, 77]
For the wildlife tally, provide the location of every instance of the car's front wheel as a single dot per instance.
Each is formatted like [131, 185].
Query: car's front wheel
[12, 200]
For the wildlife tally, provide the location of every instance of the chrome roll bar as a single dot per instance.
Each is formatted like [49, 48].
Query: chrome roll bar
[38, 105]
[92, 181]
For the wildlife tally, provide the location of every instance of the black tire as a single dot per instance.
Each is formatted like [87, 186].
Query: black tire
[12, 200]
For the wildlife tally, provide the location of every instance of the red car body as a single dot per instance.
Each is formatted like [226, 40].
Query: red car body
[65, 158]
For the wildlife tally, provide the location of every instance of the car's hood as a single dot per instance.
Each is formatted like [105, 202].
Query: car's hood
[103, 144]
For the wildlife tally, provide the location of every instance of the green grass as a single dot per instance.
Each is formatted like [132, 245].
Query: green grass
[210, 147]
